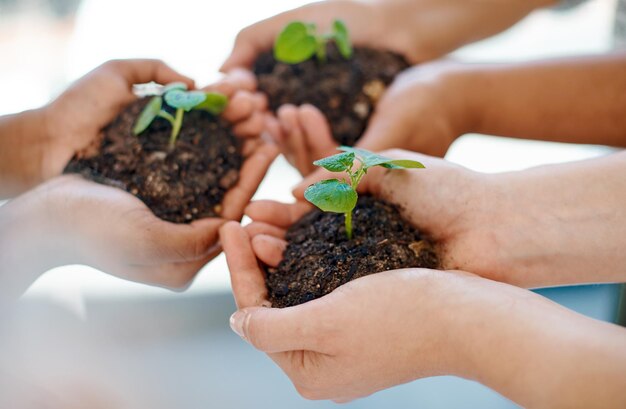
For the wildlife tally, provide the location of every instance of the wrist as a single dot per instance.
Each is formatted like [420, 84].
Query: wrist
[31, 244]
[457, 95]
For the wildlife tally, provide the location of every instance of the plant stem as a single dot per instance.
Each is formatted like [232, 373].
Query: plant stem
[176, 125]
[349, 224]
[320, 52]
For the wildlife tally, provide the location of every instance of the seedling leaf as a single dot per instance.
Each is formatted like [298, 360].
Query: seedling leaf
[185, 100]
[215, 103]
[403, 164]
[295, 43]
[337, 163]
[371, 159]
[332, 196]
[148, 114]
[342, 39]
[174, 85]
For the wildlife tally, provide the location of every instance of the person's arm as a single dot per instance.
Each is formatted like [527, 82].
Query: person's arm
[420, 30]
[576, 100]
[397, 326]
[24, 140]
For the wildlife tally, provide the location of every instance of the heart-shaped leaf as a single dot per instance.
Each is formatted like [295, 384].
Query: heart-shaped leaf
[186, 100]
[342, 39]
[295, 43]
[215, 103]
[337, 163]
[332, 196]
[148, 114]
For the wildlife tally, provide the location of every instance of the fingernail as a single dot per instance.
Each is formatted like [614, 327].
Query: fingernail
[236, 323]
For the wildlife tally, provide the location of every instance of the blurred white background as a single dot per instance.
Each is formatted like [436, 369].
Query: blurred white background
[43, 48]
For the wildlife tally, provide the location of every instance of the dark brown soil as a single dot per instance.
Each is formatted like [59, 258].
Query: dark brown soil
[320, 258]
[181, 185]
[346, 91]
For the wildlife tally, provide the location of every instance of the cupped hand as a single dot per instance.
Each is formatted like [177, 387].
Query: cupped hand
[109, 229]
[396, 326]
[451, 204]
[77, 117]
[423, 110]
[369, 334]
[421, 30]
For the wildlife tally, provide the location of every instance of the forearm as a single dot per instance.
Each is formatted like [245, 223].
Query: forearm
[540, 354]
[29, 245]
[577, 100]
[559, 224]
[431, 29]
[23, 143]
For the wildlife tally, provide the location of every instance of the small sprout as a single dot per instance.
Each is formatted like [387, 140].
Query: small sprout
[339, 196]
[299, 41]
[178, 97]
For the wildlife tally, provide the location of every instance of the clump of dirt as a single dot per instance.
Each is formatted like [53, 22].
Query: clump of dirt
[319, 257]
[179, 185]
[345, 90]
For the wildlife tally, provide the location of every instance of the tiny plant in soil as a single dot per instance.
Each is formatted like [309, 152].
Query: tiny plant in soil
[178, 97]
[300, 41]
[340, 196]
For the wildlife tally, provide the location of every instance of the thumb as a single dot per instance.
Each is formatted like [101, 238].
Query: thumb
[273, 330]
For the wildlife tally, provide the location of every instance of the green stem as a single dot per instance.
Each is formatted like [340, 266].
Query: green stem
[176, 125]
[349, 224]
[320, 52]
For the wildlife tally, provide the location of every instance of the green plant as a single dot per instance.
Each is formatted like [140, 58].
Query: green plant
[178, 97]
[299, 41]
[340, 196]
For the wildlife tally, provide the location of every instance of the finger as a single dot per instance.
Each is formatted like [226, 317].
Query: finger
[173, 276]
[277, 214]
[251, 127]
[166, 242]
[252, 173]
[250, 146]
[294, 138]
[260, 101]
[384, 131]
[236, 80]
[273, 330]
[316, 129]
[250, 41]
[316, 176]
[247, 278]
[274, 130]
[256, 228]
[239, 107]
[138, 71]
[269, 249]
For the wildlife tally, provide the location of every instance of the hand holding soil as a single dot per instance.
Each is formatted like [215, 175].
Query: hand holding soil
[397, 326]
[108, 229]
[178, 152]
[422, 111]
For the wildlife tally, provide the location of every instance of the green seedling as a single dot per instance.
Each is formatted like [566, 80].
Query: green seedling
[340, 196]
[178, 97]
[299, 41]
